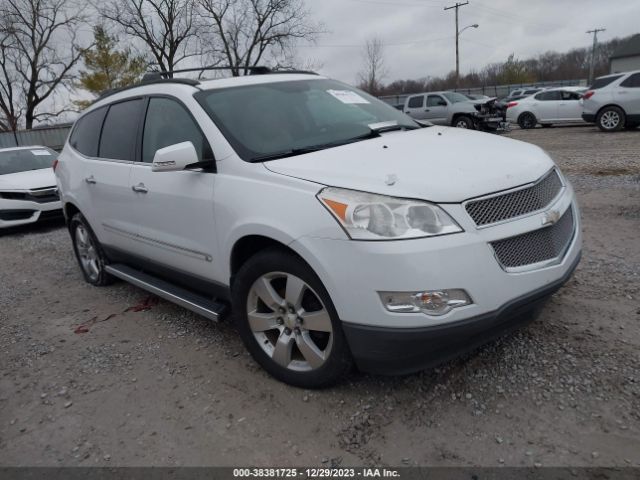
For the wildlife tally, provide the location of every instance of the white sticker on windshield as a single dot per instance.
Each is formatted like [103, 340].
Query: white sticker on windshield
[348, 97]
[41, 152]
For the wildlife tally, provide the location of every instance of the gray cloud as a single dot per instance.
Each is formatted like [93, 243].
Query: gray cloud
[419, 35]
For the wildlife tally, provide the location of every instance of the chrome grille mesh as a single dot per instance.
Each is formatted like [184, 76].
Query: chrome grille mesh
[514, 204]
[537, 246]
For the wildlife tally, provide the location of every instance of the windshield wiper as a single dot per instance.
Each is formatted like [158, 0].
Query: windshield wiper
[373, 133]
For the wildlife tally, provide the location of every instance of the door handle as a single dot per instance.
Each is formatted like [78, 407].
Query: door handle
[426, 109]
[140, 188]
[90, 180]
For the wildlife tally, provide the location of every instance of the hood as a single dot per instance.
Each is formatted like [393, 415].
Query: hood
[468, 106]
[43, 177]
[439, 164]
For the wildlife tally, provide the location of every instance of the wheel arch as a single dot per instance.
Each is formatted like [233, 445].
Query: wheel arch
[461, 114]
[69, 210]
[249, 245]
[611, 105]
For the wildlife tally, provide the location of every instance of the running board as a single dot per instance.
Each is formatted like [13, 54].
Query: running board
[206, 307]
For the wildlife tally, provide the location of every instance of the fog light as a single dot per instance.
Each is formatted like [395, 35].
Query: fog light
[431, 302]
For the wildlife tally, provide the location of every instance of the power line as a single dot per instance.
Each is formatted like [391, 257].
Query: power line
[361, 45]
[593, 51]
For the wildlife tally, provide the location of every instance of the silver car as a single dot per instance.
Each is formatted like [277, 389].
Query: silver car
[613, 102]
[442, 108]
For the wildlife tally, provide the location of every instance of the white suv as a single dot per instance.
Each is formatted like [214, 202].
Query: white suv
[336, 227]
[613, 102]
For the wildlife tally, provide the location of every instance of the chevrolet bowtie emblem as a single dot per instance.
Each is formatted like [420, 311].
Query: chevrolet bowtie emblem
[551, 217]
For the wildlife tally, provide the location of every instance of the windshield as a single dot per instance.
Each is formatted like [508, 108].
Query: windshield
[263, 120]
[14, 161]
[455, 97]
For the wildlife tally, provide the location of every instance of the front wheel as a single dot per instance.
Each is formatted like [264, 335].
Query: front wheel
[610, 119]
[464, 122]
[88, 252]
[287, 321]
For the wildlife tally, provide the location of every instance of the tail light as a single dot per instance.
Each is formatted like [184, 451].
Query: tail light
[588, 95]
[55, 164]
[511, 104]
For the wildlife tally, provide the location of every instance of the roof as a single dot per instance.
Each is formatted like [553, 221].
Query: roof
[630, 48]
[170, 86]
[568, 89]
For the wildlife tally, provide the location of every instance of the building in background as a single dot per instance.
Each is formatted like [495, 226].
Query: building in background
[627, 56]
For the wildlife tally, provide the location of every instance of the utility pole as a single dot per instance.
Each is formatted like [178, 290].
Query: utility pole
[457, 6]
[593, 51]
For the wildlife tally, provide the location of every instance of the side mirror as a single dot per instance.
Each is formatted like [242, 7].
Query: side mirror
[442, 103]
[174, 158]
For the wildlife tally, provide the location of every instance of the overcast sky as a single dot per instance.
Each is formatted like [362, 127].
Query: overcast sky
[419, 35]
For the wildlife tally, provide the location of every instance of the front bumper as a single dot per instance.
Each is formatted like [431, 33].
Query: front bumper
[14, 213]
[395, 351]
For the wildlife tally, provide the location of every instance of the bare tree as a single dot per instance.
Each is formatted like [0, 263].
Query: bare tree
[168, 28]
[248, 32]
[373, 71]
[38, 51]
[10, 110]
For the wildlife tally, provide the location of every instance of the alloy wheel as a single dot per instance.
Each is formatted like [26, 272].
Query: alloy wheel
[289, 321]
[87, 253]
[610, 120]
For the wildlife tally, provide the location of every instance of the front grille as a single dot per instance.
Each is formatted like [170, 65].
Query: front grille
[11, 215]
[538, 246]
[509, 205]
[40, 195]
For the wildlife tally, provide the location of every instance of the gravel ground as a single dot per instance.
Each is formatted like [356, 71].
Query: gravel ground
[157, 385]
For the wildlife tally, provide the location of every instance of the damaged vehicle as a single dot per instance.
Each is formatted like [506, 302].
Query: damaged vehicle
[456, 110]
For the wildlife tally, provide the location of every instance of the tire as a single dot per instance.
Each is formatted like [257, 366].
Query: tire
[464, 121]
[610, 119]
[527, 120]
[272, 291]
[89, 253]
[546, 125]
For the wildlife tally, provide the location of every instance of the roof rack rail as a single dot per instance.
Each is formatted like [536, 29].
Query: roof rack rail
[255, 70]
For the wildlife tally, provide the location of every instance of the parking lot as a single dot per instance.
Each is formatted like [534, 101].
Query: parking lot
[110, 376]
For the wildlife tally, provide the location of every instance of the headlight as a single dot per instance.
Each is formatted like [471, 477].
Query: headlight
[367, 216]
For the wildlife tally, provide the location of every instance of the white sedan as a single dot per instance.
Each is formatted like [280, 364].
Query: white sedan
[555, 105]
[28, 190]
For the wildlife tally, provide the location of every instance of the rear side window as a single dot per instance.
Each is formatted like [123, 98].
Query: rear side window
[168, 123]
[86, 133]
[604, 81]
[632, 82]
[416, 102]
[547, 96]
[120, 130]
[570, 95]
